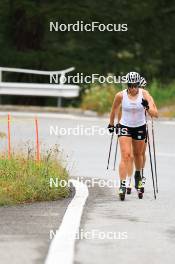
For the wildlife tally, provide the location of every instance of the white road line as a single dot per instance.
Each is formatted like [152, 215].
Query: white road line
[71, 116]
[63, 243]
[169, 155]
[171, 123]
[53, 115]
[162, 154]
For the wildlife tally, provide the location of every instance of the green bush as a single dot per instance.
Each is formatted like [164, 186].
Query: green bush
[99, 97]
[163, 94]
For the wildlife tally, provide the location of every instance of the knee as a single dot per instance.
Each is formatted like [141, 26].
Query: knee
[126, 157]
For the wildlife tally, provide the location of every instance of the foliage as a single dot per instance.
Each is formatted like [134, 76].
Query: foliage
[147, 46]
[24, 180]
[163, 94]
[99, 98]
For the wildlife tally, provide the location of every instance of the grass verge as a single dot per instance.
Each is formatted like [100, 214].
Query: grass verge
[23, 180]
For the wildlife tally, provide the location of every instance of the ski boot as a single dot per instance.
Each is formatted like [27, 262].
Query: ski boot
[138, 184]
[122, 190]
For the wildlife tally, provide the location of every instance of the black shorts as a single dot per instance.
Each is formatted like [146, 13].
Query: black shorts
[137, 133]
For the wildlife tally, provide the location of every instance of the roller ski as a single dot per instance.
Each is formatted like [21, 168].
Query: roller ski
[143, 183]
[140, 193]
[138, 184]
[122, 191]
[129, 186]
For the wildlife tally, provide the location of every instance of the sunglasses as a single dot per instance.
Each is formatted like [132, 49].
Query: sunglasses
[133, 85]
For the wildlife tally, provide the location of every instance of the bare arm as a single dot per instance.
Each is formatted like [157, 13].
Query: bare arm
[152, 111]
[115, 107]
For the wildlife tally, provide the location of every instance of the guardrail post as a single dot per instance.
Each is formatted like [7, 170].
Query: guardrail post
[59, 101]
[0, 75]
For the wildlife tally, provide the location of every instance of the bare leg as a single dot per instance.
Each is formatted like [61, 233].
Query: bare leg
[125, 148]
[138, 147]
[144, 155]
[131, 166]
[144, 161]
[130, 173]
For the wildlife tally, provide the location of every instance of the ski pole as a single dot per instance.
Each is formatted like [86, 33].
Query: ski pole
[154, 152]
[150, 156]
[115, 153]
[109, 155]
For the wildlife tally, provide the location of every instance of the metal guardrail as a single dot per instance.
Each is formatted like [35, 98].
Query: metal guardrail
[39, 89]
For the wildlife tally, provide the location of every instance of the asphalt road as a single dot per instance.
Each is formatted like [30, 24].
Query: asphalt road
[26, 231]
[145, 228]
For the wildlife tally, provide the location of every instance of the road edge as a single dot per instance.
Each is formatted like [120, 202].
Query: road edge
[63, 244]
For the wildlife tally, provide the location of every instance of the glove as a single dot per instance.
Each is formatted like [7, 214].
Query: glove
[111, 128]
[145, 104]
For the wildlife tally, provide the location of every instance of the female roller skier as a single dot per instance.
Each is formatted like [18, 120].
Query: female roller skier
[142, 84]
[131, 128]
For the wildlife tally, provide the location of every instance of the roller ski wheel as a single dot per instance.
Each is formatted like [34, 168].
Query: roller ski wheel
[122, 196]
[140, 194]
[128, 190]
[143, 184]
[142, 189]
[122, 192]
[129, 186]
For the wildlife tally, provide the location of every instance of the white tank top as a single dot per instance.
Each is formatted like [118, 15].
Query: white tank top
[133, 113]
